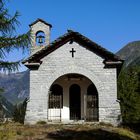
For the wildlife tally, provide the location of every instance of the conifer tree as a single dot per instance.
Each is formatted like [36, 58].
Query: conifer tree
[8, 40]
[129, 94]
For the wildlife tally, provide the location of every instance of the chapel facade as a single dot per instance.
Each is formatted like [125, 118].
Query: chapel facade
[72, 79]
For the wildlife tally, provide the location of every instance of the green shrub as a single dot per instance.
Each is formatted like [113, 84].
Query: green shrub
[41, 122]
[19, 113]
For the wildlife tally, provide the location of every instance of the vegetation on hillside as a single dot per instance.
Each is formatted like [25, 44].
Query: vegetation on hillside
[129, 85]
[129, 95]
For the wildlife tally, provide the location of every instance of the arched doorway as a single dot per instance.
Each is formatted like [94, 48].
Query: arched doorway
[55, 102]
[75, 102]
[92, 103]
[72, 97]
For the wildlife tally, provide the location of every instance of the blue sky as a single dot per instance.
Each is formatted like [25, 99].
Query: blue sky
[110, 23]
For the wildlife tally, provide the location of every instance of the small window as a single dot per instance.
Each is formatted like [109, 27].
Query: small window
[56, 97]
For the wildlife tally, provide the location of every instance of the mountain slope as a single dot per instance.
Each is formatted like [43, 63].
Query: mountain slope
[16, 86]
[130, 53]
[6, 106]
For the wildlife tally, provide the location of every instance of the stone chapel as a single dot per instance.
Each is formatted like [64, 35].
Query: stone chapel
[72, 79]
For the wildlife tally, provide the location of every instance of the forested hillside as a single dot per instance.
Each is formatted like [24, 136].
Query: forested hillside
[129, 84]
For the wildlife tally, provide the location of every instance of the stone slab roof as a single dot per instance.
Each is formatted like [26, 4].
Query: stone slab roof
[79, 38]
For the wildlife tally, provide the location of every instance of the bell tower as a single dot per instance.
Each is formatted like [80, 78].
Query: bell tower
[40, 35]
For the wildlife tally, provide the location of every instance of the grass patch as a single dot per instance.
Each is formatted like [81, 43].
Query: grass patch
[125, 132]
[14, 131]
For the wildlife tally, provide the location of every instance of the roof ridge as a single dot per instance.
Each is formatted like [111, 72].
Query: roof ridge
[97, 45]
[70, 35]
[39, 19]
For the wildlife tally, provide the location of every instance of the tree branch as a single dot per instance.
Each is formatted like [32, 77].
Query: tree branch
[9, 66]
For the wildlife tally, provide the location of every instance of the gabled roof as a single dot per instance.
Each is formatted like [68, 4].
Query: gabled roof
[41, 20]
[77, 37]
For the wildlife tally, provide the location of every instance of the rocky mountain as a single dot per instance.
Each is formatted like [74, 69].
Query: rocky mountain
[130, 53]
[15, 85]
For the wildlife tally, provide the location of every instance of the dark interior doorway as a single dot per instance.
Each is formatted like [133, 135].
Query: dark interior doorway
[75, 102]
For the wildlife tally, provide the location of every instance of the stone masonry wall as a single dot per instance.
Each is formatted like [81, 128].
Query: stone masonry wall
[84, 62]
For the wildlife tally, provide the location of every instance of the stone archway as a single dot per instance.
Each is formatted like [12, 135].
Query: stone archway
[74, 107]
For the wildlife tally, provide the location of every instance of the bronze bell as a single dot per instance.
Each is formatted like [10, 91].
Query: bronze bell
[40, 39]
